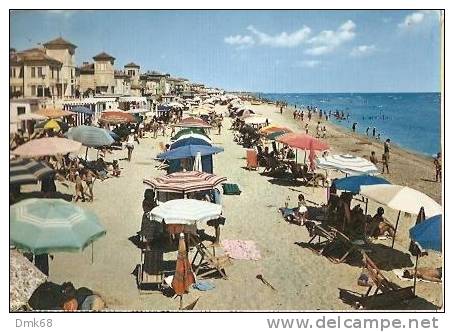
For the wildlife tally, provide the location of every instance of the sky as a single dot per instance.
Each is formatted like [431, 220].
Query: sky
[261, 51]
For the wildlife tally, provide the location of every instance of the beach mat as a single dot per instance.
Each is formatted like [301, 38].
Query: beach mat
[231, 189]
[239, 249]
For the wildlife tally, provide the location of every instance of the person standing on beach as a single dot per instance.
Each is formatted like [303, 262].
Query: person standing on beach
[385, 157]
[317, 130]
[438, 164]
[281, 109]
[354, 126]
[306, 127]
[219, 125]
[373, 131]
[367, 131]
[324, 132]
[386, 147]
[79, 188]
[89, 178]
[130, 145]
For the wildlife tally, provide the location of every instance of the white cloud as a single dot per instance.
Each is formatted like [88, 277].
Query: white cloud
[308, 63]
[363, 50]
[239, 40]
[328, 40]
[283, 39]
[419, 17]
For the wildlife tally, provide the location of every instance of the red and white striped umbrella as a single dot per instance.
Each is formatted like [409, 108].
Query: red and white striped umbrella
[185, 182]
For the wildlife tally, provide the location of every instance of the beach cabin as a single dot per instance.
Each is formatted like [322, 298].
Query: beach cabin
[22, 106]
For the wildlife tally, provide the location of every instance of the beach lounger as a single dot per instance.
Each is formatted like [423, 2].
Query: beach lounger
[150, 274]
[208, 263]
[251, 156]
[385, 294]
[346, 246]
[325, 237]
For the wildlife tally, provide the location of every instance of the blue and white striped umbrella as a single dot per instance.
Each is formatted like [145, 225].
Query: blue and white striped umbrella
[347, 164]
[52, 225]
[186, 211]
[27, 171]
[90, 136]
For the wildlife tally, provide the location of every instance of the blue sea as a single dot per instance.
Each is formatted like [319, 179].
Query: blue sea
[411, 120]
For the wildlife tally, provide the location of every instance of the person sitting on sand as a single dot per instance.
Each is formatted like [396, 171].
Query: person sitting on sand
[81, 299]
[116, 169]
[373, 158]
[378, 226]
[424, 273]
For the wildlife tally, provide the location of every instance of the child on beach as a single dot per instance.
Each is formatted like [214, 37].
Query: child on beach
[373, 158]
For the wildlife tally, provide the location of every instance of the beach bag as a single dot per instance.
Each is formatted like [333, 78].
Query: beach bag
[230, 189]
[364, 279]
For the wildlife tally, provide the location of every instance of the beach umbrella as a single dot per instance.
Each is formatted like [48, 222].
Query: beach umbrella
[27, 171]
[30, 116]
[138, 111]
[116, 117]
[184, 277]
[112, 134]
[90, 136]
[53, 113]
[275, 134]
[82, 110]
[52, 225]
[186, 131]
[24, 279]
[348, 164]
[191, 139]
[274, 128]
[303, 141]
[47, 146]
[427, 234]
[401, 198]
[53, 125]
[186, 211]
[353, 183]
[189, 151]
[185, 182]
[255, 120]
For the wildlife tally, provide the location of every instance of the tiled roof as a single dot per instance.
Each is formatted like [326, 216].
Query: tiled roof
[59, 42]
[132, 65]
[103, 56]
[33, 55]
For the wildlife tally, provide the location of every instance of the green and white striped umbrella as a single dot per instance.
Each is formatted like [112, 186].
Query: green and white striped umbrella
[52, 225]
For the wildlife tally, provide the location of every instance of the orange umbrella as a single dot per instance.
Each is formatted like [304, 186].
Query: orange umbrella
[53, 113]
[116, 117]
[184, 277]
[273, 128]
[48, 146]
[303, 141]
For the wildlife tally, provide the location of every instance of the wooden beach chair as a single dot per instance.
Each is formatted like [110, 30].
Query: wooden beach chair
[209, 263]
[325, 237]
[150, 274]
[385, 294]
[346, 246]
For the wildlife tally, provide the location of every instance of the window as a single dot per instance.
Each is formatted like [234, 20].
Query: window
[33, 73]
[20, 110]
[33, 88]
[40, 71]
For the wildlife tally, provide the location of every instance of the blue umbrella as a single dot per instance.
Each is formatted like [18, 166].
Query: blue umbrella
[189, 151]
[82, 109]
[189, 141]
[428, 233]
[113, 135]
[90, 136]
[353, 183]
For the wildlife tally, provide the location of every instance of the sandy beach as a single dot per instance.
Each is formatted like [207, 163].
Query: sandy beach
[304, 281]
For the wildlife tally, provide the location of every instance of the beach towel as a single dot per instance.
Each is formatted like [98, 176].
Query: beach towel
[400, 274]
[231, 189]
[251, 156]
[239, 249]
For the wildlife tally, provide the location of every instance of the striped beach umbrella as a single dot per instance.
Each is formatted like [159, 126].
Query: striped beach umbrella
[186, 211]
[82, 110]
[185, 182]
[192, 122]
[187, 131]
[52, 225]
[54, 113]
[27, 171]
[47, 146]
[348, 164]
[90, 136]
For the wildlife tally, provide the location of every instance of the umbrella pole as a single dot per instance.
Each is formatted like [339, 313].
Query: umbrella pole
[181, 301]
[395, 229]
[92, 253]
[367, 201]
[414, 277]
[86, 153]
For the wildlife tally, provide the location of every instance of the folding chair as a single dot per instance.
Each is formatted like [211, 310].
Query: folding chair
[208, 263]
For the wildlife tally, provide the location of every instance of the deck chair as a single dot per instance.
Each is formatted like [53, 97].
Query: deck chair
[347, 246]
[325, 237]
[150, 274]
[385, 294]
[209, 263]
[251, 156]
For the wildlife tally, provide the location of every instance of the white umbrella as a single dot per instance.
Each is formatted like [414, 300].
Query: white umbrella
[198, 162]
[255, 120]
[186, 211]
[401, 198]
[195, 135]
[30, 116]
[348, 164]
[138, 111]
